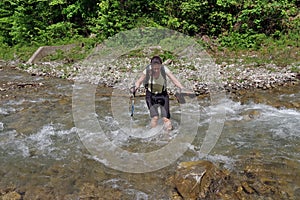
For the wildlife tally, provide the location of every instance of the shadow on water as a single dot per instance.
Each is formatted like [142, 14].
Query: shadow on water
[41, 155]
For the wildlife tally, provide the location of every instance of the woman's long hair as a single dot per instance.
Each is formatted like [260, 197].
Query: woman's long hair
[156, 60]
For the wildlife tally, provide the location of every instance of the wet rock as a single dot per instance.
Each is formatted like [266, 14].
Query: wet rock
[193, 180]
[174, 195]
[39, 192]
[11, 196]
[247, 188]
[295, 104]
[251, 114]
[92, 191]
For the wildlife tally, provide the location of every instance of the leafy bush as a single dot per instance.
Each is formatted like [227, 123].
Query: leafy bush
[235, 22]
[244, 41]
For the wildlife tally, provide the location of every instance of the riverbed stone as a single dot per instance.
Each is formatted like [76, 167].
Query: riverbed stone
[11, 196]
[251, 114]
[39, 192]
[295, 104]
[193, 179]
[92, 191]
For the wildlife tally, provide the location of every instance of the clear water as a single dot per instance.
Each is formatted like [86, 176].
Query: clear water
[40, 150]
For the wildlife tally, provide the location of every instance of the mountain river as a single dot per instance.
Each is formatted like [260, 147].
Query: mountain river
[43, 157]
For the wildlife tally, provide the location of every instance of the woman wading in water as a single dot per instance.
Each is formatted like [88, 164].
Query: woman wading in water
[154, 78]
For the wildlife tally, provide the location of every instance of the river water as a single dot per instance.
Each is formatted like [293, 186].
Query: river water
[42, 156]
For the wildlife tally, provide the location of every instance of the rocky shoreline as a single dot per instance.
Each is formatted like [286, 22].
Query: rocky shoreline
[233, 77]
[264, 77]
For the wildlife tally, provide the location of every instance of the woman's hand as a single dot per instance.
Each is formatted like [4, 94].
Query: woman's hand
[132, 90]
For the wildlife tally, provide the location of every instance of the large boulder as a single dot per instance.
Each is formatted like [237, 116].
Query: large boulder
[194, 179]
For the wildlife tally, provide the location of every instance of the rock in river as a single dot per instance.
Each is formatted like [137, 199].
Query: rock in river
[193, 179]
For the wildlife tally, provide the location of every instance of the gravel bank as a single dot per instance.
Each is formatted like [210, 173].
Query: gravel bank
[232, 78]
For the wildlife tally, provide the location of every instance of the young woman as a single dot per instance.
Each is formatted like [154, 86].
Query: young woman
[154, 78]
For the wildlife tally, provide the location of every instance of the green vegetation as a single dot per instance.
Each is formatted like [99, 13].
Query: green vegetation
[257, 31]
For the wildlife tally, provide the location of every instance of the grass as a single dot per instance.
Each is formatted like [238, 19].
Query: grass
[280, 53]
[279, 56]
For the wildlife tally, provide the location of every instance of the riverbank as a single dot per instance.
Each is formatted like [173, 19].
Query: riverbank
[234, 78]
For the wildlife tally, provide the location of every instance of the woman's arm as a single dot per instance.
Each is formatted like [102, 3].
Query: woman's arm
[139, 82]
[174, 80]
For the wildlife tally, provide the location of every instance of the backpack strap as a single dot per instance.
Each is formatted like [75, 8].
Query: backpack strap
[146, 81]
[163, 73]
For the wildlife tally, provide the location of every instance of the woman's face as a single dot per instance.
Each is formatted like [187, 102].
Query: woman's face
[156, 67]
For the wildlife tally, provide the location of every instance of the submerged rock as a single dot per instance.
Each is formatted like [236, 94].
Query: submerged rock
[195, 179]
[11, 196]
[251, 114]
[10, 193]
[203, 180]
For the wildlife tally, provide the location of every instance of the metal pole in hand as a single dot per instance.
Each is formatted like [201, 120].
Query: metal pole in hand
[132, 104]
[132, 90]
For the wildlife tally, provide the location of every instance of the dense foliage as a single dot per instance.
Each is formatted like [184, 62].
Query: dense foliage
[234, 22]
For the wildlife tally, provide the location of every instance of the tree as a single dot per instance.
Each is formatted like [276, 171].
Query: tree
[6, 11]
